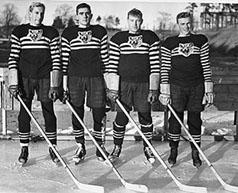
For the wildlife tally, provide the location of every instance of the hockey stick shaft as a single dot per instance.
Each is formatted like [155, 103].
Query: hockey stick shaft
[79, 185]
[189, 135]
[142, 134]
[126, 184]
[179, 184]
[104, 126]
[225, 185]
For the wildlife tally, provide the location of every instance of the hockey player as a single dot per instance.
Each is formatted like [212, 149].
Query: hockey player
[34, 66]
[84, 57]
[133, 77]
[185, 83]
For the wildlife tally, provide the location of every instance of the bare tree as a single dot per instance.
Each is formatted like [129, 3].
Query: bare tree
[57, 23]
[219, 14]
[163, 20]
[117, 21]
[99, 19]
[111, 22]
[191, 8]
[71, 22]
[65, 13]
[206, 15]
[9, 18]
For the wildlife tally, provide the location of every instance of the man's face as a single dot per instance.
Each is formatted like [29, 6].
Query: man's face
[184, 26]
[36, 16]
[84, 16]
[134, 23]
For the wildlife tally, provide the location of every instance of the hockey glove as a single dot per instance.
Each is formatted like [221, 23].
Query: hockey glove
[65, 96]
[209, 95]
[14, 90]
[152, 96]
[208, 99]
[112, 95]
[54, 93]
[164, 97]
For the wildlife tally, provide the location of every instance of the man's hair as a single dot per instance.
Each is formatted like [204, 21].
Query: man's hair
[183, 15]
[83, 5]
[36, 4]
[135, 12]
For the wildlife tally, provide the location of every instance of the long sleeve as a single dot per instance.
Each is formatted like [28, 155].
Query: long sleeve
[65, 52]
[165, 64]
[204, 56]
[55, 53]
[14, 52]
[154, 58]
[114, 56]
[104, 53]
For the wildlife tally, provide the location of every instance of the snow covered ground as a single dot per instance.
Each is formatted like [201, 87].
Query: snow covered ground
[40, 175]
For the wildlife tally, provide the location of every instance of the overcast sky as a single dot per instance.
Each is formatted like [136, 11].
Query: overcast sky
[150, 9]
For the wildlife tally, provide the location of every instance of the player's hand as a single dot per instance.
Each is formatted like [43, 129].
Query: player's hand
[164, 99]
[54, 93]
[112, 95]
[65, 96]
[152, 96]
[208, 99]
[14, 90]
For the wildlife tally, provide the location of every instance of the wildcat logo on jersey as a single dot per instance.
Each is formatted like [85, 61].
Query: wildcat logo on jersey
[186, 49]
[135, 41]
[35, 34]
[85, 36]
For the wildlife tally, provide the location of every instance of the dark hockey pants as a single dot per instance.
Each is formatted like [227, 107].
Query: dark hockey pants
[194, 124]
[49, 117]
[98, 116]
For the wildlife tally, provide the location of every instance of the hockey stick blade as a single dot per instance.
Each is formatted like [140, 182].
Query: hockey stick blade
[194, 189]
[224, 184]
[136, 187]
[230, 188]
[181, 186]
[89, 188]
[140, 188]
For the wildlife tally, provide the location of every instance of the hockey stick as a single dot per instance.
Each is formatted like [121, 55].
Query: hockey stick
[81, 186]
[184, 138]
[134, 187]
[178, 183]
[224, 184]
[104, 126]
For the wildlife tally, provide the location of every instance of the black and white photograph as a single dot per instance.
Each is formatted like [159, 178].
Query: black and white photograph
[103, 96]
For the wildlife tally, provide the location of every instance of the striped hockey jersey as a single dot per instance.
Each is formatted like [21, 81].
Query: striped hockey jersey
[134, 56]
[84, 51]
[185, 60]
[34, 51]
